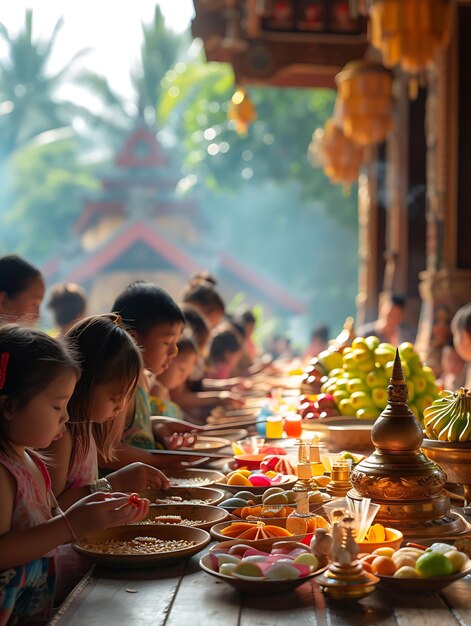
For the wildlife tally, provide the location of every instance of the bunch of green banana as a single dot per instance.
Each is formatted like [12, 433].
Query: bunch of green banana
[449, 417]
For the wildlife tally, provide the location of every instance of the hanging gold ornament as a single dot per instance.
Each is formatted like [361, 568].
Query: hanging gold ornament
[410, 32]
[364, 102]
[241, 111]
[339, 156]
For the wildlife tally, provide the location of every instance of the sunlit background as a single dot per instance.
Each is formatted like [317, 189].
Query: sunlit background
[274, 231]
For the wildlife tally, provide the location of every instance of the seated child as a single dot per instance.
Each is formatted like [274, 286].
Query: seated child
[37, 378]
[111, 365]
[461, 329]
[68, 303]
[194, 400]
[21, 290]
[201, 294]
[453, 369]
[155, 322]
[175, 375]
[225, 351]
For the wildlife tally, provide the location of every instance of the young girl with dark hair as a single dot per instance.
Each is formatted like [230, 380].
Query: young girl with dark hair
[37, 378]
[21, 290]
[111, 364]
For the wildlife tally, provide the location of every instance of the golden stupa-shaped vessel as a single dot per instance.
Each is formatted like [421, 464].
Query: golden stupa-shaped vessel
[409, 487]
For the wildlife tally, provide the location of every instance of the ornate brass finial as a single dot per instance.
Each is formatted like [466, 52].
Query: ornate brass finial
[397, 389]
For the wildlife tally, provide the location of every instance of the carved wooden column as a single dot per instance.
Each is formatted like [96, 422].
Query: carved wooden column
[446, 283]
[396, 253]
[366, 301]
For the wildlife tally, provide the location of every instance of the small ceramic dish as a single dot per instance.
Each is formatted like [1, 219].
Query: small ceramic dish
[184, 495]
[421, 585]
[205, 515]
[85, 546]
[393, 540]
[249, 461]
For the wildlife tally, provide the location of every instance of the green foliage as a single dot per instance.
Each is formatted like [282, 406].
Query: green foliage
[275, 146]
[27, 88]
[48, 184]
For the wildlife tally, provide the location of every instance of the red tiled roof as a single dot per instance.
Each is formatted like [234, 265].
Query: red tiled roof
[139, 232]
[117, 245]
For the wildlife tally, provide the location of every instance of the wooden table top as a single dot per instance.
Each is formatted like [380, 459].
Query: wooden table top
[181, 594]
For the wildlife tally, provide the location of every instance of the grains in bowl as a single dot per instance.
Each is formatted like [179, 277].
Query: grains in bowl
[189, 482]
[172, 519]
[138, 546]
[179, 500]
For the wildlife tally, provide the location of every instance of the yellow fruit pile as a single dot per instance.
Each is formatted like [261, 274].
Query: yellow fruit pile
[358, 377]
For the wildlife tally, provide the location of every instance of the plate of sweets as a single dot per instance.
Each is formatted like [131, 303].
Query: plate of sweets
[416, 568]
[270, 568]
[256, 480]
[251, 533]
[272, 497]
[184, 495]
[141, 546]
[194, 515]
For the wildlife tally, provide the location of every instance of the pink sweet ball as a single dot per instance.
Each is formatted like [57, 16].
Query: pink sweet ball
[259, 480]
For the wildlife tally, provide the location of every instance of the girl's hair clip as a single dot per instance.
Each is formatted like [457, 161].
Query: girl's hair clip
[4, 358]
[117, 319]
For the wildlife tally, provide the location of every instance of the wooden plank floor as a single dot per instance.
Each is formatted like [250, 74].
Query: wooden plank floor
[183, 595]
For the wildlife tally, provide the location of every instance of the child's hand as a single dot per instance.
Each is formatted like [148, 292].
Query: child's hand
[232, 400]
[103, 510]
[174, 434]
[138, 477]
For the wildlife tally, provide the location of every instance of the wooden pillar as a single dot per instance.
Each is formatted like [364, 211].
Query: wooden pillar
[367, 240]
[446, 282]
[396, 253]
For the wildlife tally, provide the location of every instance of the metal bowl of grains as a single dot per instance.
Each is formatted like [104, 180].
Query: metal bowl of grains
[182, 495]
[141, 546]
[193, 477]
[196, 516]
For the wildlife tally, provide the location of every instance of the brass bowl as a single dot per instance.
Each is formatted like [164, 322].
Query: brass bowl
[393, 539]
[454, 458]
[421, 585]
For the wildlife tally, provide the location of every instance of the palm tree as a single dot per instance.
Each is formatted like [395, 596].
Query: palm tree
[27, 89]
[161, 48]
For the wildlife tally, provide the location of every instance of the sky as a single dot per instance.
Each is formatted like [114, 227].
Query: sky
[111, 27]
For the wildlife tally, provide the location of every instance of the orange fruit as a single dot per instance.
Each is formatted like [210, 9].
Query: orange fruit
[384, 566]
[384, 551]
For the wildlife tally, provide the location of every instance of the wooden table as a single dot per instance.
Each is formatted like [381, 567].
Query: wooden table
[183, 595]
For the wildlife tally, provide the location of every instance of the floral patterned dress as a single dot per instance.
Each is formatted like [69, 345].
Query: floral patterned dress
[27, 591]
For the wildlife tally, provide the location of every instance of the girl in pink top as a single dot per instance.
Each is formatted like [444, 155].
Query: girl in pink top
[111, 364]
[37, 378]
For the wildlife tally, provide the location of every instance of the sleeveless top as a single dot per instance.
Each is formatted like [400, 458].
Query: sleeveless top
[140, 433]
[31, 506]
[83, 466]
[27, 591]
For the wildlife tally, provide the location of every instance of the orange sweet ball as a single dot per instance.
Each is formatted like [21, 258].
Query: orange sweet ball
[384, 566]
